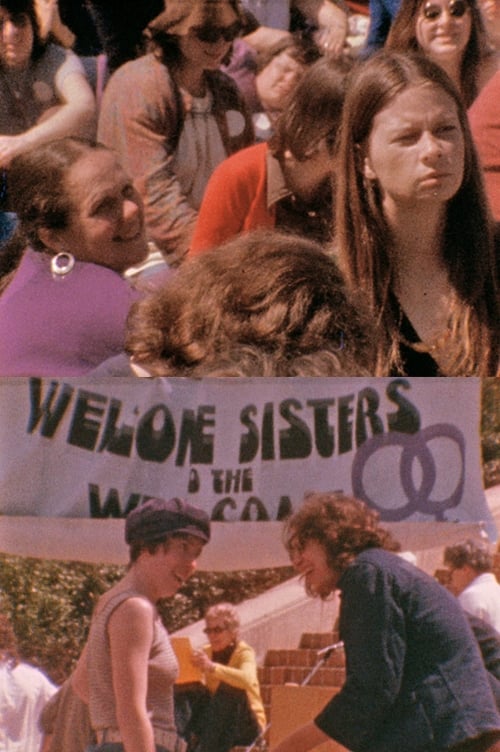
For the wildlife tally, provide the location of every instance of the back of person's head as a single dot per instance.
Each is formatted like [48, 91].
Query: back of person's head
[342, 524]
[37, 186]
[8, 642]
[17, 8]
[402, 37]
[163, 33]
[313, 111]
[280, 293]
[363, 238]
[474, 554]
[250, 361]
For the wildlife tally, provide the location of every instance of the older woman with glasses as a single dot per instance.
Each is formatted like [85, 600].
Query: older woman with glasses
[451, 33]
[173, 116]
[227, 711]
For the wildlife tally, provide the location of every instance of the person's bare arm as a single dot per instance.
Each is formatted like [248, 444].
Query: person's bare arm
[75, 116]
[331, 19]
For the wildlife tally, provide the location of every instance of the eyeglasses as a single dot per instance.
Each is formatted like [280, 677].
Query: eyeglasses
[456, 9]
[212, 34]
[214, 630]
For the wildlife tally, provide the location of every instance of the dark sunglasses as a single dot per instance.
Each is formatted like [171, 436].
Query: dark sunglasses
[214, 630]
[212, 34]
[456, 9]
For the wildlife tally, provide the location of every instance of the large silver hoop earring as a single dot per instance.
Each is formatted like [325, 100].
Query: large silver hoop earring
[61, 264]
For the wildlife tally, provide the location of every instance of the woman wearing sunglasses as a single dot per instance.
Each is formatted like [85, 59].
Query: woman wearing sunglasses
[451, 33]
[227, 711]
[174, 116]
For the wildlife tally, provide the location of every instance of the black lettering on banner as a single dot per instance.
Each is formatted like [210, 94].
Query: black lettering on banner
[47, 413]
[371, 399]
[155, 437]
[193, 434]
[219, 508]
[296, 441]
[232, 481]
[254, 510]
[194, 481]
[407, 418]
[249, 442]
[86, 419]
[111, 507]
[268, 432]
[345, 423]
[285, 508]
[323, 431]
[116, 439]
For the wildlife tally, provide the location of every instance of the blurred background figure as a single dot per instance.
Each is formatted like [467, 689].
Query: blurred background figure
[451, 33]
[287, 183]
[471, 579]
[268, 78]
[44, 94]
[173, 115]
[24, 690]
[226, 711]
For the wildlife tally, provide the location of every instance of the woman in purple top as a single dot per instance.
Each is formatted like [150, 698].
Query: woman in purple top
[64, 310]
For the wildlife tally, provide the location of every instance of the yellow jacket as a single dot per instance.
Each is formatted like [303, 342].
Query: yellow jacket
[241, 672]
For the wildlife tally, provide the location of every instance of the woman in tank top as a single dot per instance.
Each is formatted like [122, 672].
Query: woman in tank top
[128, 667]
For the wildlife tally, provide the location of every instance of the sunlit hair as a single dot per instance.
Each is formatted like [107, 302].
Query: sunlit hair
[37, 186]
[402, 38]
[472, 553]
[277, 292]
[27, 7]
[363, 237]
[164, 42]
[8, 644]
[227, 613]
[251, 361]
[300, 48]
[341, 524]
[313, 110]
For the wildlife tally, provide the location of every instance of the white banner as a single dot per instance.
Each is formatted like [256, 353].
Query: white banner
[245, 450]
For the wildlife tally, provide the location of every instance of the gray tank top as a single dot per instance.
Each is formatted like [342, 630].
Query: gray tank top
[163, 670]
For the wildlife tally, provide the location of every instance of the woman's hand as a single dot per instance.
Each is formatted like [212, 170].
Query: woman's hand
[201, 660]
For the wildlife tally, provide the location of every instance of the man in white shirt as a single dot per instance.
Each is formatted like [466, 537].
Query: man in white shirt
[471, 579]
[24, 690]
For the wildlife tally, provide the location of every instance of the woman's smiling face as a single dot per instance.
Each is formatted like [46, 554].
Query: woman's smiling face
[443, 30]
[106, 224]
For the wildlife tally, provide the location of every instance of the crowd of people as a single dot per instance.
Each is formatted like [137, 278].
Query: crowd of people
[422, 661]
[211, 128]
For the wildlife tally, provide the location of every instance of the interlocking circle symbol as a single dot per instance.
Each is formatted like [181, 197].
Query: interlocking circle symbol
[414, 447]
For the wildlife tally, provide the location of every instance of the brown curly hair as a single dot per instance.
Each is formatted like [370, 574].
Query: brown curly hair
[343, 525]
[280, 293]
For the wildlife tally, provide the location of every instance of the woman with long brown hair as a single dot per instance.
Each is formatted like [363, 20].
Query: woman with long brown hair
[413, 227]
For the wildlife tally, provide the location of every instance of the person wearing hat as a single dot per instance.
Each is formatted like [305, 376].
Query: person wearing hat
[128, 668]
[173, 115]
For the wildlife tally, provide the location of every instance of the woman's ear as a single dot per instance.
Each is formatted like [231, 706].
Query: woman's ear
[51, 239]
[363, 163]
[368, 171]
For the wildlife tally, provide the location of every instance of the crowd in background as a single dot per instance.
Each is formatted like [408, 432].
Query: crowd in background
[222, 125]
